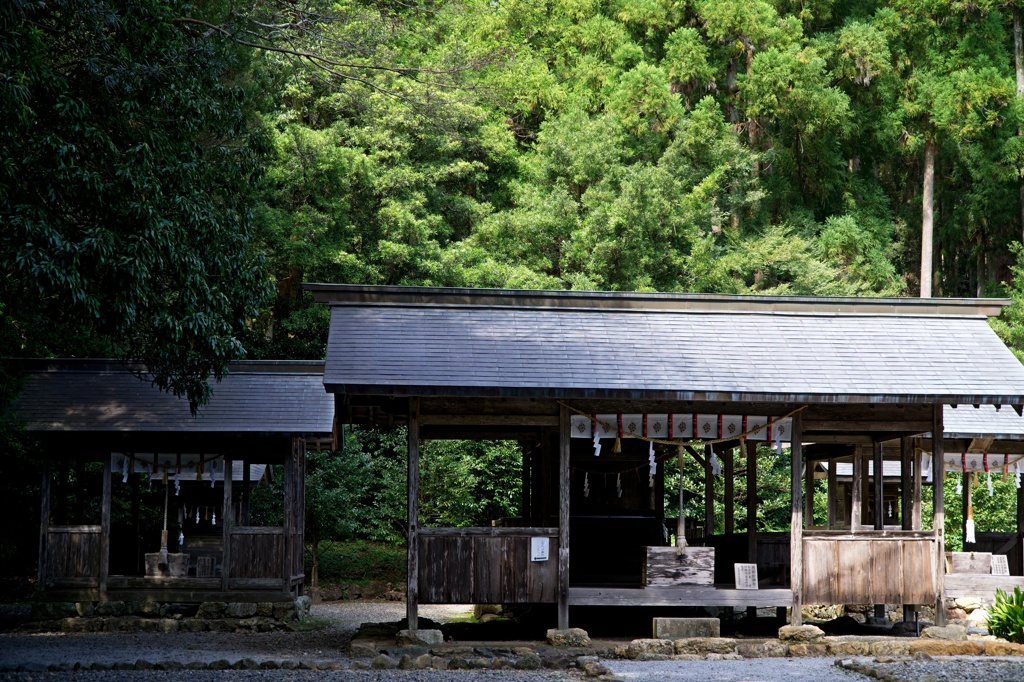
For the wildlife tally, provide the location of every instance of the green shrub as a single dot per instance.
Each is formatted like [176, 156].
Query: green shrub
[1006, 619]
[359, 561]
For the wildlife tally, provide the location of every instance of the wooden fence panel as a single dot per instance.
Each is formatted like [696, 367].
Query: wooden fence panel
[468, 567]
[73, 552]
[257, 552]
[868, 570]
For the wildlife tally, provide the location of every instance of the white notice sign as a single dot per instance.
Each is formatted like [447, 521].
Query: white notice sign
[539, 549]
[746, 576]
[999, 565]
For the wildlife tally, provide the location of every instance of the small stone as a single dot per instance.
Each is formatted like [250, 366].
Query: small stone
[248, 664]
[654, 657]
[170, 665]
[419, 637]
[197, 665]
[803, 649]
[101, 666]
[713, 657]
[289, 664]
[363, 648]
[406, 662]
[800, 633]
[731, 657]
[978, 618]
[478, 663]
[680, 628]
[422, 662]
[705, 645]
[568, 637]
[922, 656]
[110, 608]
[211, 609]
[438, 663]
[968, 604]
[384, 662]
[595, 669]
[143, 665]
[639, 647]
[529, 661]
[269, 665]
[220, 664]
[302, 606]
[953, 633]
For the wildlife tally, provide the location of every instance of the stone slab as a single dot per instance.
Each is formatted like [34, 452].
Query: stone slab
[685, 628]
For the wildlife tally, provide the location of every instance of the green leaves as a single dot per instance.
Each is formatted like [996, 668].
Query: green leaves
[1006, 617]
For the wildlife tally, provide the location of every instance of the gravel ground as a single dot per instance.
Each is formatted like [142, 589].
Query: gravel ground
[291, 676]
[109, 647]
[963, 669]
[747, 670]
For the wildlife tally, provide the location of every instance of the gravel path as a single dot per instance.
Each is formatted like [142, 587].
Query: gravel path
[329, 643]
[747, 670]
[963, 669]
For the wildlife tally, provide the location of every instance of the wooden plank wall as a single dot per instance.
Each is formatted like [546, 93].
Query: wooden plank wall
[869, 571]
[257, 552]
[73, 552]
[484, 569]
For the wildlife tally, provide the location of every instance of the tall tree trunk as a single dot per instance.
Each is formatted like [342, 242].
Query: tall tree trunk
[1018, 56]
[927, 208]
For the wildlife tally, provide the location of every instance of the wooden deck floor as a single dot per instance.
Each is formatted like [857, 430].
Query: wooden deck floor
[690, 595]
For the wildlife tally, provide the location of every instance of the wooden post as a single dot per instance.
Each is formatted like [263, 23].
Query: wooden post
[563, 518]
[751, 502]
[105, 528]
[289, 510]
[244, 521]
[225, 567]
[833, 502]
[809, 495]
[524, 511]
[939, 501]
[709, 498]
[878, 481]
[730, 497]
[856, 490]
[906, 484]
[967, 509]
[796, 542]
[917, 486]
[865, 492]
[412, 595]
[44, 520]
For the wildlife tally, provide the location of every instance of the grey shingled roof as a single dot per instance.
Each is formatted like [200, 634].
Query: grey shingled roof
[387, 347]
[101, 396]
[982, 422]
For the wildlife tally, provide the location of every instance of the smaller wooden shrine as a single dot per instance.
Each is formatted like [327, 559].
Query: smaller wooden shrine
[142, 500]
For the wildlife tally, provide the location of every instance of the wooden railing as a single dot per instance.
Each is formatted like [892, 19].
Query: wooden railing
[73, 552]
[486, 566]
[870, 567]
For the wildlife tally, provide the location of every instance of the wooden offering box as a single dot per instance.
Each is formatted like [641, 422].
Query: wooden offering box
[664, 567]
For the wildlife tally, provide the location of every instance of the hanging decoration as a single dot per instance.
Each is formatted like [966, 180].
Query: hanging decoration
[681, 521]
[586, 488]
[652, 464]
[988, 475]
[618, 484]
[1016, 474]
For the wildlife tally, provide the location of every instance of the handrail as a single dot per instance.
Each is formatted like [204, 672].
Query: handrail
[869, 535]
[488, 531]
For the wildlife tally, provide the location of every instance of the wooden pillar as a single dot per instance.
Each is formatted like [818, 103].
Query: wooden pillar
[939, 502]
[751, 448]
[563, 518]
[244, 520]
[796, 543]
[1020, 509]
[809, 495]
[865, 491]
[44, 519]
[105, 527]
[878, 481]
[833, 501]
[709, 497]
[225, 568]
[289, 509]
[856, 490]
[730, 497]
[412, 595]
[906, 484]
[524, 505]
[917, 457]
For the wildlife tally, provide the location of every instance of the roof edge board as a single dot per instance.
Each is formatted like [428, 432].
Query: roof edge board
[110, 365]
[452, 296]
[672, 396]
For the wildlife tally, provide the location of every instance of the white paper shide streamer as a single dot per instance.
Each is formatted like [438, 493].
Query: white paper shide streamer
[586, 485]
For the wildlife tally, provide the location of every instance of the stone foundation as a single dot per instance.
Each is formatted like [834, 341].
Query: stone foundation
[151, 616]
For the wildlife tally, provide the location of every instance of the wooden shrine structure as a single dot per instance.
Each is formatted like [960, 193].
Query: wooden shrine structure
[532, 365]
[100, 422]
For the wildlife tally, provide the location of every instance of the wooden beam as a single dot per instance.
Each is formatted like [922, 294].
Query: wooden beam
[918, 484]
[225, 562]
[751, 448]
[412, 538]
[105, 526]
[796, 524]
[906, 484]
[709, 497]
[563, 518]
[683, 595]
[488, 420]
[878, 483]
[856, 491]
[863, 426]
[44, 519]
[980, 445]
[939, 518]
[730, 498]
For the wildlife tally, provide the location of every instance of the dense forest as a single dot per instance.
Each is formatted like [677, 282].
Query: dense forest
[172, 171]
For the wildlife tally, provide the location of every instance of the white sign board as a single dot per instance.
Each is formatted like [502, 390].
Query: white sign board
[999, 565]
[746, 576]
[539, 549]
